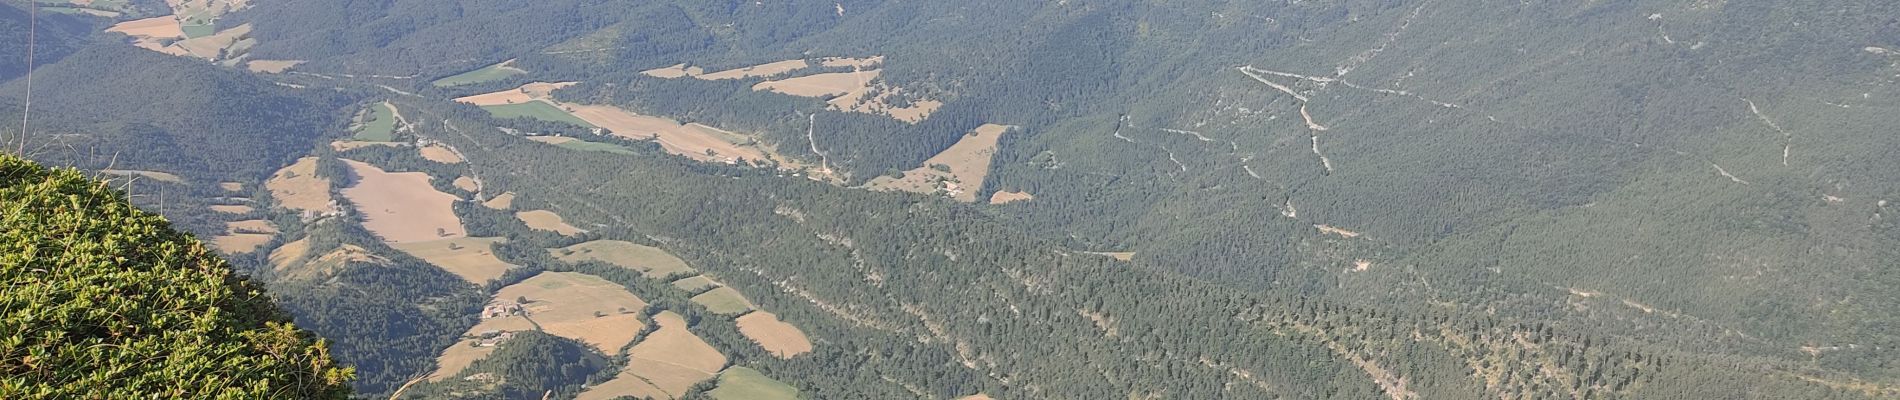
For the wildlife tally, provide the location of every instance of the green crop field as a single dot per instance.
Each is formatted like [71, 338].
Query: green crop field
[537, 110]
[199, 30]
[723, 301]
[485, 74]
[379, 124]
[739, 383]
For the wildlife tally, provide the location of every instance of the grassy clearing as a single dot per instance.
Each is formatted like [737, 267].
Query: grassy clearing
[544, 220]
[501, 202]
[472, 259]
[781, 339]
[741, 383]
[695, 283]
[651, 261]
[724, 301]
[198, 30]
[491, 73]
[537, 110]
[580, 307]
[378, 124]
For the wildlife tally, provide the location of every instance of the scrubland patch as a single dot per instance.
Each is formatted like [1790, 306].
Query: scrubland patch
[777, 337]
[402, 207]
[544, 220]
[153, 175]
[1117, 255]
[271, 66]
[467, 184]
[489, 73]
[957, 172]
[471, 258]
[695, 283]
[650, 261]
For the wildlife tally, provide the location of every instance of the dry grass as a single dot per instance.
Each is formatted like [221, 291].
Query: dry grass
[978, 396]
[240, 243]
[695, 283]
[347, 145]
[501, 202]
[1328, 229]
[456, 358]
[650, 261]
[553, 140]
[472, 259]
[674, 72]
[289, 253]
[402, 207]
[153, 175]
[781, 339]
[840, 62]
[523, 94]
[758, 71]
[468, 184]
[690, 140]
[231, 186]
[968, 162]
[544, 220]
[724, 301]
[671, 359]
[1118, 255]
[150, 31]
[442, 154]
[1006, 197]
[298, 187]
[210, 47]
[821, 85]
[582, 307]
[271, 66]
[624, 385]
[251, 226]
[232, 209]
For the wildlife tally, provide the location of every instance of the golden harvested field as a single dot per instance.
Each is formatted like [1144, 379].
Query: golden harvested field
[468, 184]
[978, 396]
[1006, 197]
[821, 85]
[501, 202]
[347, 145]
[1118, 255]
[650, 261]
[289, 253]
[472, 259]
[724, 301]
[525, 93]
[402, 207]
[582, 307]
[968, 161]
[544, 220]
[149, 31]
[837, 62]
[776, 336]
[689, 140]
[624, 384]
[457, 357]
[695, 283]
[232, 209]
[442, 154]
[153, 175]
[271, 66]
[761, 70]
[672, 359]
[231, 186]
[674, 72]
[251, 226]
[240, 243]
[298, 187]
[878, 102]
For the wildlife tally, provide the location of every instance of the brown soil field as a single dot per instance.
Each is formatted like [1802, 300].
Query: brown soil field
[501, 202]
[690, 140]
[761, 70]
[672, 359]
[821, 85]
[467, 183]
[402, 207]
[968, 161]
[164, 27]
[837, 62]
[271, 66]
[544, 220]
[724, 301]
[472, 259]
[347, 145]
[153, 175]
[1006, 197]
[232, 209]
[650, 261]
[298, 187]
[441, 154]
[695, 283]
[781, 339]
[231, 186]
[582, 307]
[525, 93]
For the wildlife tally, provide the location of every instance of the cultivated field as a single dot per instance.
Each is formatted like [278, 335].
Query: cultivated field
[456, 358]
[676, 71]
[271, 66]
[690, 140]
[502, 201]
[152, 175]
[1006, 197]
[758, 71]
[232, 209]
[242, 237]
[402, 207]
[292, 261]
[490, 73]
[376, 125]
[741, 383]
[467, 184]
[298, 187]
[540, 110]
[821, 85]
[724, 301]
[581, 307]
[231, 186]
[968, 162]
[525, 93]
[224, 43]
[650, 261]
[776, 336]
[670, 361]
[150, 33]
[472, 259]
[544, 220]
[440, 153]
[695, 283]
[289, 253]
[582, 145]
